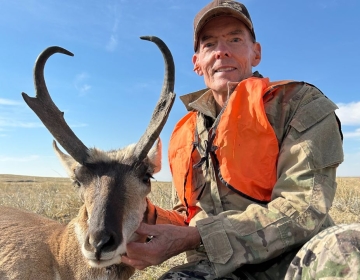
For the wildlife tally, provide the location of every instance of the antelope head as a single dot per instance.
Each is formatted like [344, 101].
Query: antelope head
[113, 185]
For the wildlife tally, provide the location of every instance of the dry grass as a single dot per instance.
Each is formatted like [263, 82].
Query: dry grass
[56, 199]
[50, 197]
[346, 206]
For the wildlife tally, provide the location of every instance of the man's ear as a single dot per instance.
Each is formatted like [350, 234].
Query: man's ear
[197, 69]
[257, 54]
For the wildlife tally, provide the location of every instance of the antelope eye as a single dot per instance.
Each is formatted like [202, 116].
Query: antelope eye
[77, 183]
[146, 179]
[80, 175]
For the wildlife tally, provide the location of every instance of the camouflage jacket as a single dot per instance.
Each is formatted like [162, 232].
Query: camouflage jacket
[237, 231]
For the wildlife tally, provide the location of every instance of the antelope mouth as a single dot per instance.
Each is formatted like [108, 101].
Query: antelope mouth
[104, 262]
[103, 259]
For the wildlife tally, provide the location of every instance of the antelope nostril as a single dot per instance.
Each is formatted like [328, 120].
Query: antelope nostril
[100, 242]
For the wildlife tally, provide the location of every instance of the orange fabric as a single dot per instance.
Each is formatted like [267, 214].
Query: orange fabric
[247, 147]
[156, 215]
[169, 217]
[180, 148]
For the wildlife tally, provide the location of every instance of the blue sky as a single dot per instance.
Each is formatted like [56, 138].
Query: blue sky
[109, 88]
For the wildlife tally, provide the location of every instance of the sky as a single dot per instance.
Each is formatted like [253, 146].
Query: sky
[109, 89]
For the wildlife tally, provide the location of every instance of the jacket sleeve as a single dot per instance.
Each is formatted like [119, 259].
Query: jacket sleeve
[157, 215]
[310, 151]
[169, 217]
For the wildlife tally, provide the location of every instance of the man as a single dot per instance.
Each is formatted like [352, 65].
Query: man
[253, 162]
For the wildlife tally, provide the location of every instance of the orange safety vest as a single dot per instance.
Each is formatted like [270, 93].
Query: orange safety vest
[244, 145]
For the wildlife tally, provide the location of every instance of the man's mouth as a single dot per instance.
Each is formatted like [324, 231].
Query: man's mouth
[225, 69]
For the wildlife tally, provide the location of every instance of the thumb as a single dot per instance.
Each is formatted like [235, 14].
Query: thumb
[146, 229]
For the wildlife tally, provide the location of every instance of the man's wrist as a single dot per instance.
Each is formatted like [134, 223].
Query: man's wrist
[200, 248]
[197, 242]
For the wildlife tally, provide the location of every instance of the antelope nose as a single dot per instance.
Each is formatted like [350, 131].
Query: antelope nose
[100, 242]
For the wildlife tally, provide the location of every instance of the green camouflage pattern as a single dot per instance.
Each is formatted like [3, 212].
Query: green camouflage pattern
[196, 270]
[237, 231]
[334, 253]
[274, 269]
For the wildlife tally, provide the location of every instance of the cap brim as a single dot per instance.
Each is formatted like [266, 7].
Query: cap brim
[217, 12]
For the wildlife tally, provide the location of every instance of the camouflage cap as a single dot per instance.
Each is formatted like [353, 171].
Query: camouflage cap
[221, 8]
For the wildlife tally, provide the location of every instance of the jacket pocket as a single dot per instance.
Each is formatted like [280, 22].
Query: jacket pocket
[312, 113]
[315, 129]
[215, 240]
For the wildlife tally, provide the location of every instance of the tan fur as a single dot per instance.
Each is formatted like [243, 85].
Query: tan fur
[34, 247]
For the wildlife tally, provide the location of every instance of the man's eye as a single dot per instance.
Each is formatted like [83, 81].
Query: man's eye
[208, 45]
[236, 40]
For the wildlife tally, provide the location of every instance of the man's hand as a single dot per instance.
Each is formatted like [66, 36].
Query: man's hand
[167, 241]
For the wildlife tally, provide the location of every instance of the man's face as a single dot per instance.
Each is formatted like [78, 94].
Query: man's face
[226, 53]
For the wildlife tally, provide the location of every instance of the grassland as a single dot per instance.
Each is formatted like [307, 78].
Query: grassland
[56, 199]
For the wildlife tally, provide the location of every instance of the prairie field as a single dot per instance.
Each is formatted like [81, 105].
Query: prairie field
[56, 198]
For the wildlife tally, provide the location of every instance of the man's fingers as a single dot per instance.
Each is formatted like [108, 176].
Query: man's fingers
[136, 249]
[138, 264]
[145, 229]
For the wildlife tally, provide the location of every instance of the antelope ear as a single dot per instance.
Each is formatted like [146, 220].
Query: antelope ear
[155, 155]
[67, 161]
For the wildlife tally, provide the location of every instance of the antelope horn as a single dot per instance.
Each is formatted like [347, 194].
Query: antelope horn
[163, 106]
[49, 114]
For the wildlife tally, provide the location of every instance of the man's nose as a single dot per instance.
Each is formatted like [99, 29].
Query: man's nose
[222, 50]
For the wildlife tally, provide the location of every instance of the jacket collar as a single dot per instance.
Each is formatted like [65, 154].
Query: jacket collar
[203, 101]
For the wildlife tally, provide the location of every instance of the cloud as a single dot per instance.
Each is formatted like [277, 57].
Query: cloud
[78, 125]
[81, 84]
[84, 88]
[19, 159]
[351, 165]
[113, 41]
[352, 134]
[349, 113]
[12, 120]
[14, 114]
[113, 25]
[9, 102]
[9, 122]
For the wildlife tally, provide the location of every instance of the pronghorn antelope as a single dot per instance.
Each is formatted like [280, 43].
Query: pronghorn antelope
[113, 186]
